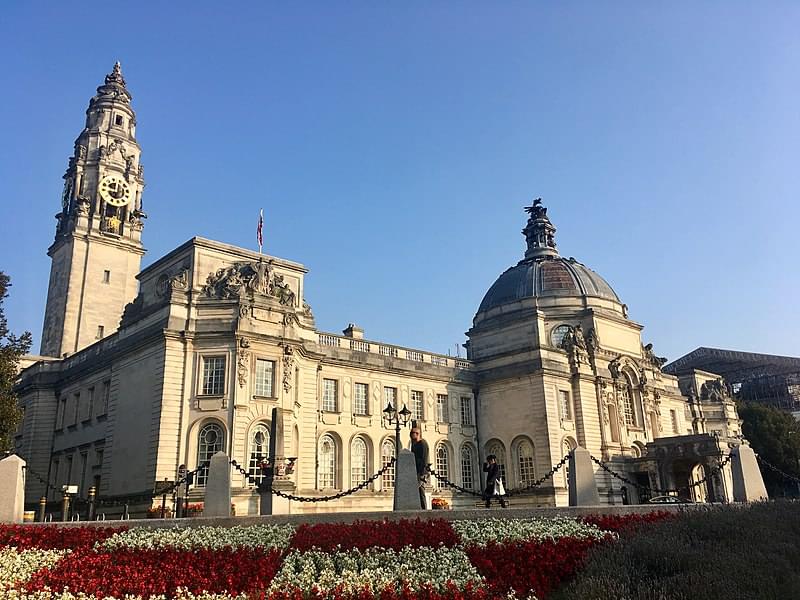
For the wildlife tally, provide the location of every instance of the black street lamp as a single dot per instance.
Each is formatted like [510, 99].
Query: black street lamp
[395, 417]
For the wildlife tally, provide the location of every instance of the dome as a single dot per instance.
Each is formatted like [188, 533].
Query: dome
[546, 276]
[543, 273]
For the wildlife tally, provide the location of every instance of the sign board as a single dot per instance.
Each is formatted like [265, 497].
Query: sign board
[163, 487]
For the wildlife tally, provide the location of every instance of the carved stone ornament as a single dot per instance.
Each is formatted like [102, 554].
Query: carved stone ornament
[166, 282]
[650, 356]
[288, 368]
[614, 368]
[575, 345]
[592, 341]
[243, 361]
[290, 319]
[247, 279]
[715, 390]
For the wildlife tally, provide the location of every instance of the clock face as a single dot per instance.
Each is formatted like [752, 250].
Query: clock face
[115, 190]
[557, 335]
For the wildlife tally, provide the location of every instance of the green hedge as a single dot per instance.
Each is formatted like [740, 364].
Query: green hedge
[717, 553]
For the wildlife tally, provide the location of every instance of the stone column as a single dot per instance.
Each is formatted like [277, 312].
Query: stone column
[217, 501]
[12, 489]
[582, 484]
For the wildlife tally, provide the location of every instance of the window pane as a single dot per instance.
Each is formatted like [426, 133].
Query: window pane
[213, 375]
[417, 405]
[467, 468]
[387, 454]
[264, 375]
[526, 466]
[466, 410]
[563, 401]
[259, 450]
[360, 395]
[211, 440]
[627, 406]
[441, 408]
[327, 462]
[390, 396]
[442, 464]
[358, 462]
[329, 399]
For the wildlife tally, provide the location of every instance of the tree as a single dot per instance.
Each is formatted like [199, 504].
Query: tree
[775, 437]
[12, 348]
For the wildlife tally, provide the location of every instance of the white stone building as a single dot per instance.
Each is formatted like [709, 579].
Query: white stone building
[142, 372]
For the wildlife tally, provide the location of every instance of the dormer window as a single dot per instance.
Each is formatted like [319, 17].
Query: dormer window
[118, 120]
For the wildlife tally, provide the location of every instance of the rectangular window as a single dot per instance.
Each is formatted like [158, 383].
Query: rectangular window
[106, 276]
[213, 375]
[329, 395]
[360, 398]
[466, 410]
[106, 397]
[76, 407]
[87, 415]
[60, 410]
[564, 405]
[265, 370]
[673, 415]
[118, 120]
[417, 405]
[98, 458]
[68, 473]
[390, 396]
[100, 332]
[441, 408]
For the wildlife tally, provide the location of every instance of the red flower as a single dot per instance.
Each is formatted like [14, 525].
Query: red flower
[627, 522]
[152, 572]
[52, 537]
[371, 534]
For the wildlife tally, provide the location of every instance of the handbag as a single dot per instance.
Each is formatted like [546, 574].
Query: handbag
[499, 490]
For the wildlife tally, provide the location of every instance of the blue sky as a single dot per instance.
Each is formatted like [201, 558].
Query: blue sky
[393, 147]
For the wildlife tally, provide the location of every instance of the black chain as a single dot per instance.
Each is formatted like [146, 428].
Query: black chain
[145, 496]
[509, 493]
[639, 486]
[777, 470]
[352, 490]
[47, 484]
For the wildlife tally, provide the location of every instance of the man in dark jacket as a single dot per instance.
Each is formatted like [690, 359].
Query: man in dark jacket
[420, 450]
[492, 470]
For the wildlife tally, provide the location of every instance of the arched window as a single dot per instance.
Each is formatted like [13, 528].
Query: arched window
[442, 464]
[499, 451]
[627, 397]
[210, 440]
[358, 461]
[468, 467]
[387, 454]
[259, 450]
[526, 463]
[327, 463]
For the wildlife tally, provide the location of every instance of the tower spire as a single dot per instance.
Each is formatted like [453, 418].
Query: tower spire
[539, 232]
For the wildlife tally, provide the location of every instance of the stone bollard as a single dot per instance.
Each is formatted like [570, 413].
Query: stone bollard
[12, 489]
[406, 482]
[217, 501]
[748, 485]
[582, 485]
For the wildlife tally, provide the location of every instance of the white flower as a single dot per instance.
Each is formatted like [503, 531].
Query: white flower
[513, 530]
[16, 566]
[212, 538]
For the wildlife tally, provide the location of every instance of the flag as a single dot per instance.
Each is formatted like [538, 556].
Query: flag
[260, 227]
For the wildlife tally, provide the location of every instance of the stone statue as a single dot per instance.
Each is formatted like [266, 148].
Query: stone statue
[614, 368]
[592, 341]
[578, 338]
[650, 356]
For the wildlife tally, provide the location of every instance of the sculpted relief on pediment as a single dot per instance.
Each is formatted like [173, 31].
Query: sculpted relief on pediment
[247, 279]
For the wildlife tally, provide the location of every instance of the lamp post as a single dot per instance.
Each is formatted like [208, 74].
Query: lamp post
[395, 417]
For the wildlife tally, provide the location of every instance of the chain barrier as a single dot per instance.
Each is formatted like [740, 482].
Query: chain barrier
[509, 493]
[660, 492]
[777, 470]
[352, 490]
[145, 496]
[47, 484]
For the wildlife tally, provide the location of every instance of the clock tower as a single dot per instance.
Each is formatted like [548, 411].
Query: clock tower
[97, 250]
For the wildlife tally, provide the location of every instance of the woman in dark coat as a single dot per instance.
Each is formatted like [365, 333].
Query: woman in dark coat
[492, 470]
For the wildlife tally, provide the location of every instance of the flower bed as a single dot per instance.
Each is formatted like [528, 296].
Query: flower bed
[431, 559]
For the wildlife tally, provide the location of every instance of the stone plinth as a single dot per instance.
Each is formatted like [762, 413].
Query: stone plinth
[12, 489]
[217, 501]
[406, 483]
[748, 485]
[582, 485]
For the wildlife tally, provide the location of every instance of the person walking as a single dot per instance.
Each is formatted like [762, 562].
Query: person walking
[494, 484]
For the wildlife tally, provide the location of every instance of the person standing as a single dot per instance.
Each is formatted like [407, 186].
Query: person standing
[420, 451]
[492, 470]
